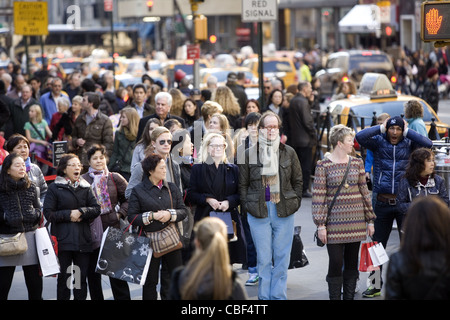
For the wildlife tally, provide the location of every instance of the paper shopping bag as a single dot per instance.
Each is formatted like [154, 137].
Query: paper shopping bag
[378, 255]
[48, 260]
[365, 261]
[298, 256]
[124, 255]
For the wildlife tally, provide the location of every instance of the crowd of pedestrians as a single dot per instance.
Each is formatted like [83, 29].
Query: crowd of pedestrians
[162, 157]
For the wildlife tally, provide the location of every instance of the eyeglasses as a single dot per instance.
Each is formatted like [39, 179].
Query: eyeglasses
[75, 165]
[271, 128]
[162, 142]
[217, 146]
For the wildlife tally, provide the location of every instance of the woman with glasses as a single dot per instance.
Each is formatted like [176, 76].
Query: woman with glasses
[70, 206]
[161, 144]
[214, 187]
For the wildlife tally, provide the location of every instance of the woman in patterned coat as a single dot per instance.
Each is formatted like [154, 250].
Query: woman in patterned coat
[350, 218]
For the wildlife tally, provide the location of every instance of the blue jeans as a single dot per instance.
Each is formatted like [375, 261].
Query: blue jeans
[273, 240]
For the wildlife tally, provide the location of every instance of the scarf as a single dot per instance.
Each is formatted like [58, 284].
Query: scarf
[268, 154]
[100, 188]
[28, 164]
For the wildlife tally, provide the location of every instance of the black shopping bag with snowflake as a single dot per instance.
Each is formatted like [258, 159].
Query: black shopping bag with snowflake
[124, 255]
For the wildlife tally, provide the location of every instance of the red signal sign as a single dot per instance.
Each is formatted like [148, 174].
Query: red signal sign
[435, 20]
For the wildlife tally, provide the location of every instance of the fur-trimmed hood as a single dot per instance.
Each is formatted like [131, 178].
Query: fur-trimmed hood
[63, 181]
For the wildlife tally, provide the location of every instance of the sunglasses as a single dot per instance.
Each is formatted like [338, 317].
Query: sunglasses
[162, 142]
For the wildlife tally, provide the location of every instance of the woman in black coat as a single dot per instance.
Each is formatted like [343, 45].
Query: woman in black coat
[214, 187]
[70, 206]
[155, 203]
[20, 211]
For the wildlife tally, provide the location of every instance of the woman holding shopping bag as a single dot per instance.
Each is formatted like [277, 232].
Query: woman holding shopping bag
[340, 179]
[20, 211]
[70, 206]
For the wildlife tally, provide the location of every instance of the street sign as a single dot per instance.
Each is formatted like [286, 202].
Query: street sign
[193, 51]
[435, 21]
[30, 18]
[108, 5]
[259, 10]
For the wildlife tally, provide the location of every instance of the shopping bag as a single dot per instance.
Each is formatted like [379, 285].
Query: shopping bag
[378, 255]
[365, 261]
[298, 255]
[124, 255]
[231, 225]
[48, 260]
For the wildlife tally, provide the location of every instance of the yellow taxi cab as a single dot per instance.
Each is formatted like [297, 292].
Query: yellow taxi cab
[280, 67]
[376, 96]
[251, 79]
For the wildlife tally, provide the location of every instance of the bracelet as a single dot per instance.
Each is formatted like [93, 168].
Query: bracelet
[145, 218]
[173, 215]
[322, 228]
[370, 224]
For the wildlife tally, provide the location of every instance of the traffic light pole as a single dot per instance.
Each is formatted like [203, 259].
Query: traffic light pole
[194, 8]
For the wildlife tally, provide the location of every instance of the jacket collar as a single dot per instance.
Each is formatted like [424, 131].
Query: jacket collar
[62, 181]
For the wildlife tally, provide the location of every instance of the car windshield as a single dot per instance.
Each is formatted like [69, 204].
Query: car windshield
[372, 63]
[393, 108]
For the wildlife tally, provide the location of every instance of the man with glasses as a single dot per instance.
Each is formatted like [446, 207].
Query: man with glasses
[270, 188]
[91, 127]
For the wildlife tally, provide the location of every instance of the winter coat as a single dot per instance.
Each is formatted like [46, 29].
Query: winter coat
[302, 131]
[20, 209]
[406, 193]
[390, 160]
[147, 197]
[116, 185]
[99, 131]
[252, 192]
[60, 200]
[19, 116]
[122, 153]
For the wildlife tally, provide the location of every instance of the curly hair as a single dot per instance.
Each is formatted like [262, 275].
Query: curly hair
[225, 97]
[413, 109]
[416, 164]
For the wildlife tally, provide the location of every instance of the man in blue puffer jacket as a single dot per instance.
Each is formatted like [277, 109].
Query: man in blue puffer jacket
[391, 143]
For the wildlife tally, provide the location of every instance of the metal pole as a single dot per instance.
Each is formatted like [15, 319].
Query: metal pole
[112, 47]
[194, 7]
[260, 67]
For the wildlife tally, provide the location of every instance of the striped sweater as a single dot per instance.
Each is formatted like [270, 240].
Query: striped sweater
[353, 206]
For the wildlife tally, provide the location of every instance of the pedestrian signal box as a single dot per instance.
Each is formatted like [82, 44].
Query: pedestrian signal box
[435, 21]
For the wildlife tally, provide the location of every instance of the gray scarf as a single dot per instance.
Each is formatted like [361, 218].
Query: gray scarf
[268, 154]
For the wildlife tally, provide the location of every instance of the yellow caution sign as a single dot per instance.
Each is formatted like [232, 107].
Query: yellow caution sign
[30, 18]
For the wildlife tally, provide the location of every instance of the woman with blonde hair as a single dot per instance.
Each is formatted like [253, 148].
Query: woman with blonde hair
[124, 142]
[213, 186]
[177, 101]
[208, 274]
[225, 97]
[218, 123]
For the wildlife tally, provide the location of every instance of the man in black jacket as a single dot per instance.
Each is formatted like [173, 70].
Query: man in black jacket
[163, 101]
[302, 136]
[237, 90]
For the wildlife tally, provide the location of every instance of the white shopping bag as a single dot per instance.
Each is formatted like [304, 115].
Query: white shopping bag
[378, 255]
[47, 257]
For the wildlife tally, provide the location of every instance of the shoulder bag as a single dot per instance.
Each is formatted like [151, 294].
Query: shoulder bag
[316, 234]
[13, 244]
[167, 239]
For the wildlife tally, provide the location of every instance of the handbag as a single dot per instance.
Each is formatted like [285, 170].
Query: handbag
[298, 256]
[229, 222]
[316, 234]
[124, 255]
[165, 240]
[13, 244]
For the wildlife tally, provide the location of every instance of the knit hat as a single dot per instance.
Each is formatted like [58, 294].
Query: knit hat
[395, 121]
[432, 72]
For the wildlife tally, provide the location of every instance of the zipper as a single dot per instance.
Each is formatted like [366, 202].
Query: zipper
[393, 173]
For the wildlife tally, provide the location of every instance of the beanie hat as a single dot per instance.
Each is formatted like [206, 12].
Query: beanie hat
[395, 121]
[432, 72]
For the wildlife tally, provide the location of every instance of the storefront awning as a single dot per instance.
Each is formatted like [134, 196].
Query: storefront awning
[362, 18]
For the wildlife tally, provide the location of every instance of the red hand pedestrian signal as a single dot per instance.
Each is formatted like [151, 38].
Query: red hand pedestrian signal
[433, 21]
